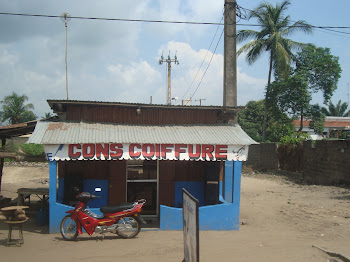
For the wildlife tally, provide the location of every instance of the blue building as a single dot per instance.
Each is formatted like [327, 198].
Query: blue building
[135, 151]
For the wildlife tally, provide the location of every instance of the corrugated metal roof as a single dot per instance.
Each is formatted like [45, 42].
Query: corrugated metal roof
[51, 102]
[79, 133]
[330, 121]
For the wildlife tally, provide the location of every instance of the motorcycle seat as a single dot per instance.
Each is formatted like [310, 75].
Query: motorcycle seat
[116, 208]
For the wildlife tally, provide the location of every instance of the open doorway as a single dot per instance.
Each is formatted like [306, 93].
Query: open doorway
[142, 182]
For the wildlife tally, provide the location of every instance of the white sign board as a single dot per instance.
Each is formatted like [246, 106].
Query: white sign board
[190, 227]
[109, 151]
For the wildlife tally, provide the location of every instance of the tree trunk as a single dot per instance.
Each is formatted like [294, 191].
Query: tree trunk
[301, 119]
[266, 102]
[3, 143]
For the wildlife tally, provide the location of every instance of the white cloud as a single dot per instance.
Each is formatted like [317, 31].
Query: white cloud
[135, 82]
[211, 87]
[115, 61]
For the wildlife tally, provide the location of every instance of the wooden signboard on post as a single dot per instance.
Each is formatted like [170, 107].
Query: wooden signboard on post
[190, 227]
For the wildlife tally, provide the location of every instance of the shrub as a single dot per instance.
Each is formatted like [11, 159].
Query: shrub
[294, 139]
[32, 149]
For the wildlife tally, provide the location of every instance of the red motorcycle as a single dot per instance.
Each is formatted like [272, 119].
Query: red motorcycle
[123, 220]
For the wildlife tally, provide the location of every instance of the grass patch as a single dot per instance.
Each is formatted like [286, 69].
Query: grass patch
[32, 149]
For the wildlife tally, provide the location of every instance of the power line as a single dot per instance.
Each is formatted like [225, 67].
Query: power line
[329, 28]
[203, 60]
[160, 21]
[114, 19]
[331, 33]
[208, 65]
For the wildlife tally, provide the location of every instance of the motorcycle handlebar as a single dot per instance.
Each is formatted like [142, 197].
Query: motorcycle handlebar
[93, 197]
[141, 201]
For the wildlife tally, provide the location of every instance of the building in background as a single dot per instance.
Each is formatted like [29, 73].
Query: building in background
[334, 127]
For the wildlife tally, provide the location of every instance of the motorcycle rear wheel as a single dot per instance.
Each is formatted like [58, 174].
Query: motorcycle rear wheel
[68, 228]
[128, 227]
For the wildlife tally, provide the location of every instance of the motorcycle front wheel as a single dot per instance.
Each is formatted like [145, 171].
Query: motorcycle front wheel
[68, 228]
[128, 227]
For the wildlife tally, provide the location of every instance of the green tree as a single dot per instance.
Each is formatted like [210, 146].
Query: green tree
[15, 110]
[316, 71]
[251, 120]
[47, 115]
[336, 110]
[275, 27]
[317, 122]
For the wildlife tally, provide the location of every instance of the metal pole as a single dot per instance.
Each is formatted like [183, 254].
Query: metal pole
[169, 61]
[65, 17]
[230, 63]
[169, 84]
[66, 25]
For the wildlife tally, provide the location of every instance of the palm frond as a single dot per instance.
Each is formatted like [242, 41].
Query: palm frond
[253, 49]
[297, 26]
[243, 35]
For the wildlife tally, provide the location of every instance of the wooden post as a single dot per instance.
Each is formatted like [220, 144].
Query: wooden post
[3, 143]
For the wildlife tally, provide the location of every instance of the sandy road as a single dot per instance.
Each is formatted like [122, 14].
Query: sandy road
[282, 221]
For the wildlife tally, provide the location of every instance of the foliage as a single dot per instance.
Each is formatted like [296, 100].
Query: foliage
[336, 110]
[47, 115]
[294, 138]
[251, 120]
[32, 149]
[316, 70]
[317, 123]
[15, 110]
[275, 27]
[321, 69]
[291, 95]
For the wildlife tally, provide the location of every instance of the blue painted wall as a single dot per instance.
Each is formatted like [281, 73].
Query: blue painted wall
[196, 189]
[60, 190]
[57, 210]
[216, 217]
[223, 216]
[236, 197]
[89, 185]
[228, 181]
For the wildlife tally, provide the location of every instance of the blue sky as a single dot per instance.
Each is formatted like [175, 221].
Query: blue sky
[118, 61]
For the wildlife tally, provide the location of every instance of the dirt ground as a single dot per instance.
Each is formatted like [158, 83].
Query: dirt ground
[282, 220]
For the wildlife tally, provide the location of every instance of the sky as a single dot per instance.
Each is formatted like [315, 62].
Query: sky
[118, 61]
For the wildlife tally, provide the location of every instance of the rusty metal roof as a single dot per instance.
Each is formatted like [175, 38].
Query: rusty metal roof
[81, 132]
[17, 129]
[330, 121]
[60, 104]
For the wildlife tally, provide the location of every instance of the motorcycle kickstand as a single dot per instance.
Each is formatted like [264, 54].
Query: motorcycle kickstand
[102, 237]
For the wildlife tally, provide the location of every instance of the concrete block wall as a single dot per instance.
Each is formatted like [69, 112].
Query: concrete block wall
[327, 162]
[262, 156]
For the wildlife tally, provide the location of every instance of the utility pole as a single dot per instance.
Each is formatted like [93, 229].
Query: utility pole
[200, 100]
[65, 18]
[230, 63]
[348, 95]
[169, 61]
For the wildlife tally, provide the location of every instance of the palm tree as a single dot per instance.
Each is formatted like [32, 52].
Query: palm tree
[15, 110]
[275, 27]
[47, 115]
[336, 110]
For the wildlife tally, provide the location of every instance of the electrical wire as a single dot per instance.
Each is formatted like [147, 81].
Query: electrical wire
[217, 29]
[161, 21]
[328, 28]
[208, 64]
[113, 19]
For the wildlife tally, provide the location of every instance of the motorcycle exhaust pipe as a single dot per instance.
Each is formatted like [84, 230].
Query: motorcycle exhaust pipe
[142, 220]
